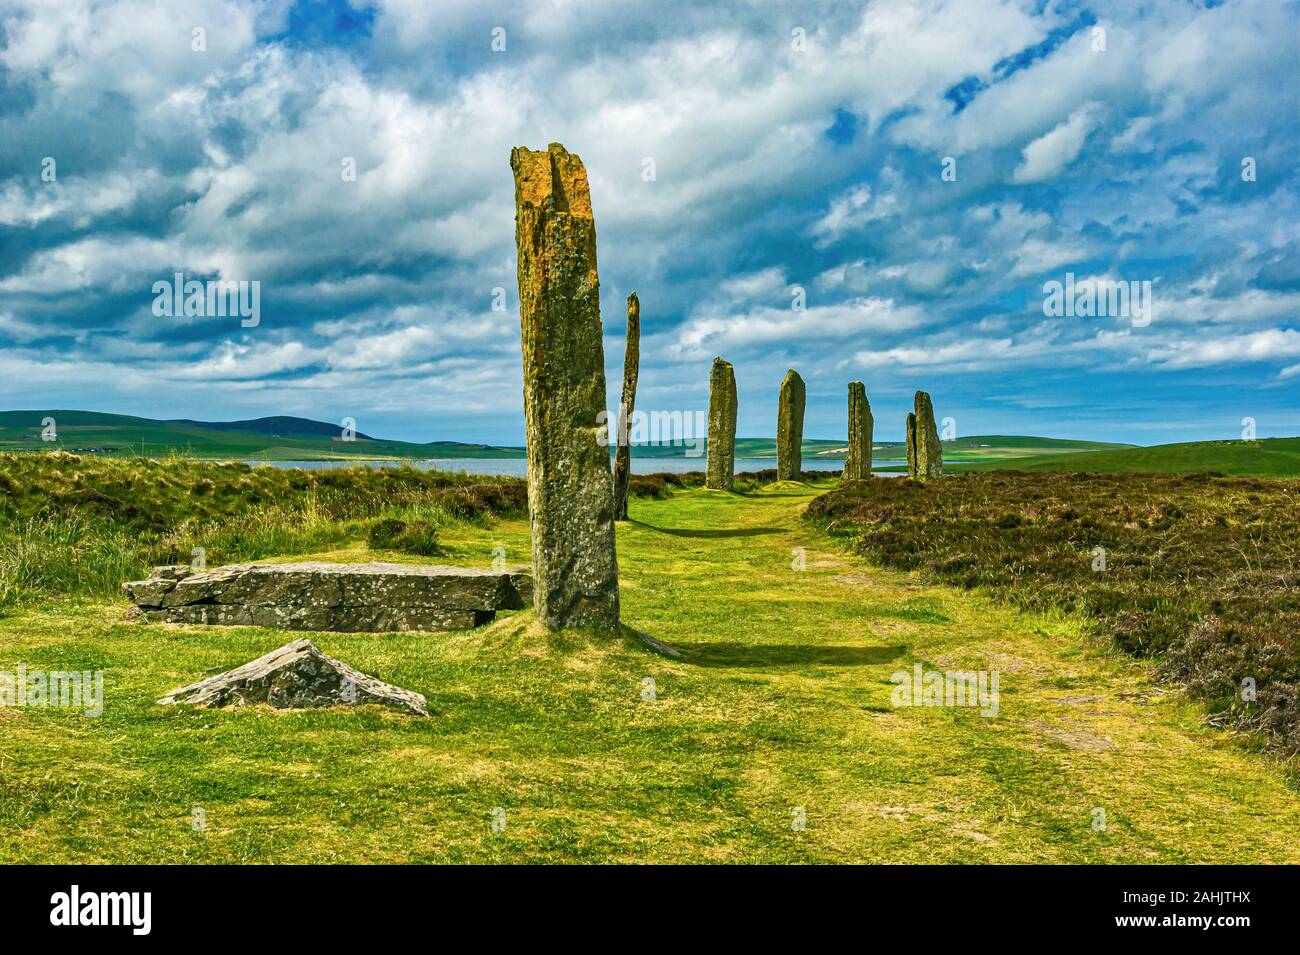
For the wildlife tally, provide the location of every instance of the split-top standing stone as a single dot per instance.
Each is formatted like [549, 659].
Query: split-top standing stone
[857, 462]
[911, 445]
[722, 426]
[631, 368]
[929, 452]
[789, 428]
[570, 489]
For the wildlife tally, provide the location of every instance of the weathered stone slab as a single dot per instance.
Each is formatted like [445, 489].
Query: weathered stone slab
[570, 487]
[631, 369]
[789, 428]
[929, 452]
[372, 597]
[857, 462]
[150, 592]
[297, 676]
[341, 619]
[722, 426]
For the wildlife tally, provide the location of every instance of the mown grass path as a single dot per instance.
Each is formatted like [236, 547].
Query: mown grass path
[782, 703]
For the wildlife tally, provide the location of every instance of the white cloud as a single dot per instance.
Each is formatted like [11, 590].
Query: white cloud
[1048, 155]
[1268, 345]
[765, 326]
[848, 211]
[228, 163]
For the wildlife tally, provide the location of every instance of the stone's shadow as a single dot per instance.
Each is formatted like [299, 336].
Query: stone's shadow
[704, 532]
[785, 654]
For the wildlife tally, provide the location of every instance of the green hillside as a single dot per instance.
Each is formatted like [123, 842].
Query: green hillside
[283, 438]
[1004, 449]
[1270, 457]
[292, 439]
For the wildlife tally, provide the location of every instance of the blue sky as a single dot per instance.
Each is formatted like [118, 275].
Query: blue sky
[794, 146]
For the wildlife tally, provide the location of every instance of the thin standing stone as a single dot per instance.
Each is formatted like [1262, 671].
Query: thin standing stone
[722, 426]
[929, 452]
[789, 428]
[857, 462]
[911, 445]
[631, 368]
[570, 488]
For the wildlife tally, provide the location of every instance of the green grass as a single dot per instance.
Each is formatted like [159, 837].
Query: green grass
[782, 702]
[1269, 457]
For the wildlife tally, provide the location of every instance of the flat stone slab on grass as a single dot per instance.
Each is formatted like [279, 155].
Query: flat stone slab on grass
[296, 676]
[373, 597]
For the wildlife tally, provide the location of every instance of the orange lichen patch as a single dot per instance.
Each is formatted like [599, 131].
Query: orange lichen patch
[556, 177]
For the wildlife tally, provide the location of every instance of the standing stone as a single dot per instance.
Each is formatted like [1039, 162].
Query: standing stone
[722, 426]
[857, 463]
[929, 452]
[631, 367]
[570, 489]
[911, 445]
[789, 428]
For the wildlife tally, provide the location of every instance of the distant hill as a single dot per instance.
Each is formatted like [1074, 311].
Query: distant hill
[279, 438]
[277, 426]
[288, 438]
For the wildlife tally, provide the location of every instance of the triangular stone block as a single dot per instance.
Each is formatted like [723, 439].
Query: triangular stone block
[297, 676]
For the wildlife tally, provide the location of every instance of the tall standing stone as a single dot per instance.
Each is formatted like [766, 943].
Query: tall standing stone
[929, 452]
[857, 462]
[570, 489]
[631, 368]
[789, 428]
[722, 426]
[911, 445]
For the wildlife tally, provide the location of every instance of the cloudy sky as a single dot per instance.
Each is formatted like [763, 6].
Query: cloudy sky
[743, 157]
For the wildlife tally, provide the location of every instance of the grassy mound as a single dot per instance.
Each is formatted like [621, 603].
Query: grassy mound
[1201, 571]
[74, 525]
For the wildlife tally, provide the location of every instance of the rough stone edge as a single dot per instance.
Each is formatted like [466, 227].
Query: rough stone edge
[420, 703]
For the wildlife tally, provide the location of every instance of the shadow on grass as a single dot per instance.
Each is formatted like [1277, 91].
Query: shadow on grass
[784, 654]
[705, 532]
